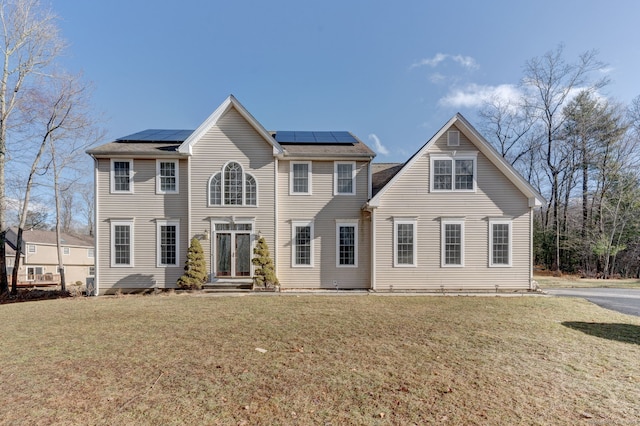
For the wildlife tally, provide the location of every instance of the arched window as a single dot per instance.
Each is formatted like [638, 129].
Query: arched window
[233, 184]
[251, 192]
[233, 187]
[215, 190]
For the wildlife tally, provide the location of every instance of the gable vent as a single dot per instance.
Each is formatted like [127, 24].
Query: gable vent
[453, 138]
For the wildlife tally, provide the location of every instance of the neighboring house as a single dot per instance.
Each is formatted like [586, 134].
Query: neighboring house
[455, 216]
[39, 261]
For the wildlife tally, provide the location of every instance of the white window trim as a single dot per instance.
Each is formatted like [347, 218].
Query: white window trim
[443, 223]
[295, 224]
[160, 223]
[244, 195]
[244, 188]
[453, 156]
[112, 176]
[129, 223]
[309, 175]
[34, 267]
[159, 180]
[335, 177]
[355, 224]
[30, 246]
[451, 142]
[209, 203]
[405, 221]
[66, 251]
[91, 253]
[500, 222]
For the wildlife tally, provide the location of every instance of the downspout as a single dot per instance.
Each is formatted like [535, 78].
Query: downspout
[373, 249]
[96, 231]
[531, 281]
[189, 225]
[369, 172]
[276, 240]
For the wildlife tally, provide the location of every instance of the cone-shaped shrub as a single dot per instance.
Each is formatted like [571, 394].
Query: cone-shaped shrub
[195, 268]
[264, 273]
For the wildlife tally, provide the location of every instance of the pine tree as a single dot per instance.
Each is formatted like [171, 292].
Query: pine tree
[264, 274]
[195, 268]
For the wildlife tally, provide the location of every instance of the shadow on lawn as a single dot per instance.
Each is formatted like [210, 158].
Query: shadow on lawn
[627, 333]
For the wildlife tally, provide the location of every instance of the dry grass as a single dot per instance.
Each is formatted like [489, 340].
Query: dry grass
[181, 359]
[572, 281]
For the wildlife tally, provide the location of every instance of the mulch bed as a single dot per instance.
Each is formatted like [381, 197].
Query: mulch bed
[33, 294]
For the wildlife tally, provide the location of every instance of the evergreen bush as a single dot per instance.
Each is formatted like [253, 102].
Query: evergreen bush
[195, 268]
[264, 273]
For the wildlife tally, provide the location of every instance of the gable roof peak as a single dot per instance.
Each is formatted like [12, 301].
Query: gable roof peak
[230, 102]
[535, 199]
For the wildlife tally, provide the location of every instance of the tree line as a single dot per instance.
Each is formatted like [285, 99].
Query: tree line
[46, 123]
[580, 149]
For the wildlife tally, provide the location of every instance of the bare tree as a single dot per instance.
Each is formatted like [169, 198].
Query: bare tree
[551, 81]
[87, 205]
[76, 132]
[29, 43]
[51, 113]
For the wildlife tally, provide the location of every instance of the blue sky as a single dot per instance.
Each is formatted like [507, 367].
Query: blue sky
[391, 72]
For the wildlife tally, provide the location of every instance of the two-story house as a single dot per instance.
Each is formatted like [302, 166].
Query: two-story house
[39, 264]
[454, 216]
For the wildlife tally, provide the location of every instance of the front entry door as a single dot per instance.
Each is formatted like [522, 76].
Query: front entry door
[233, 252]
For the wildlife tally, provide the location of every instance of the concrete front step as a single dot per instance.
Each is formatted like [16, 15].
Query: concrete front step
[228, 285]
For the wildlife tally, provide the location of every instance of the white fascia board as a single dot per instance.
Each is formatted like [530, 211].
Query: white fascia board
[187, 146]
[483, 146]
[375, 201]
[494, 156]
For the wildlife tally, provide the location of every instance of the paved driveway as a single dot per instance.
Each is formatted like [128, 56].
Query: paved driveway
[622, 300]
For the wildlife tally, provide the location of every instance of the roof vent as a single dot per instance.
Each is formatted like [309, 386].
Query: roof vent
[453, 138]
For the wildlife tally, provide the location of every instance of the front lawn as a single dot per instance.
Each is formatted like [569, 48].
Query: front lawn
[180, 359]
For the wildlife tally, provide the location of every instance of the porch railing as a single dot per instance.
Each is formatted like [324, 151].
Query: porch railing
[27, 280]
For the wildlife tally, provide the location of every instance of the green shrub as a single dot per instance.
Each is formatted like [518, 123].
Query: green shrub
[195, 268]
[264, 274]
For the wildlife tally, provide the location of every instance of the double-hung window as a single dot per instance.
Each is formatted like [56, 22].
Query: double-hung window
[347, 243]
[167, 176]
[453, 173]
[452, 242]
[121, 243]
[499, 242]
[405, 242]
[300, 178]
[122, 176]
[344, 177]
[168, 240]
[302, 243]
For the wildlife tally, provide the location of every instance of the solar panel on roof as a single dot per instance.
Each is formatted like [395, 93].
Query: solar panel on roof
[285, 136]
[315, 137]
[158, 135]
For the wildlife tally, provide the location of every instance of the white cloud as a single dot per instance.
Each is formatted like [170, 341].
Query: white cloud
[465, 61]
[474, 95]
[437, 78]
[378, 147]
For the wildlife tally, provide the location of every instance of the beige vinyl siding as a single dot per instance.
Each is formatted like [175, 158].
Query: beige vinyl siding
[144, 206]
[495, 196]
[232, 139]
[76, 263]
[324, 209]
